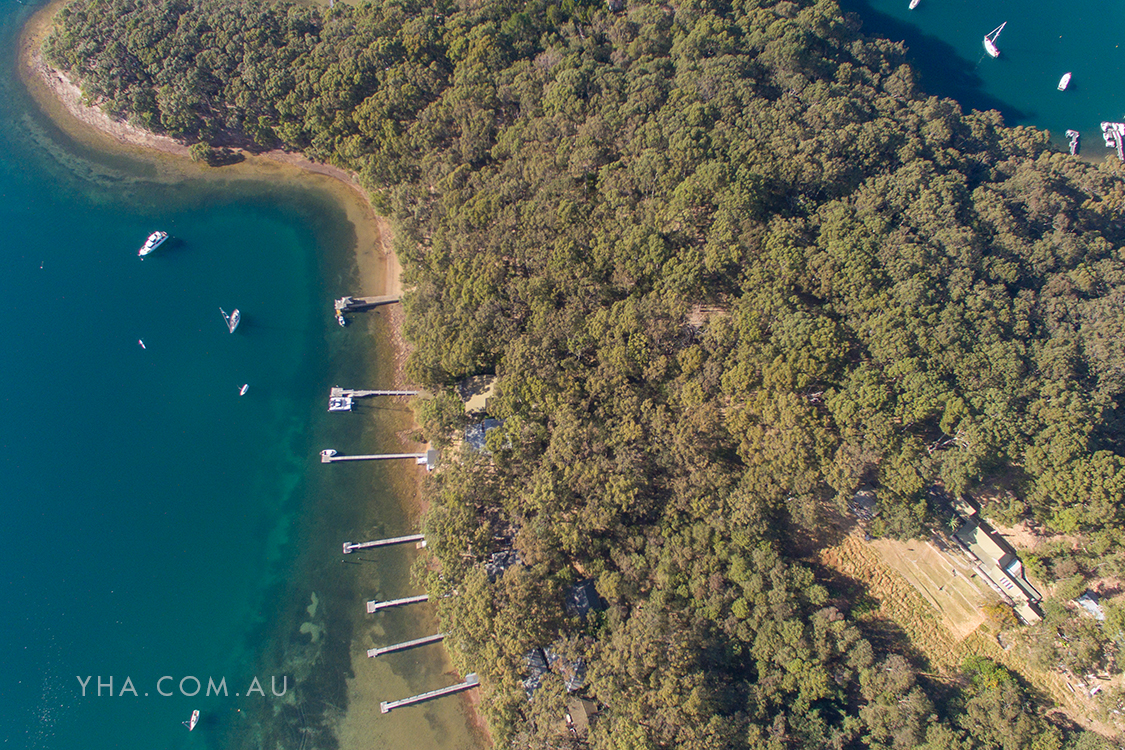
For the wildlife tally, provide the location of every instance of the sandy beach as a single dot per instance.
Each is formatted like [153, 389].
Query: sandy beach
[378, 270]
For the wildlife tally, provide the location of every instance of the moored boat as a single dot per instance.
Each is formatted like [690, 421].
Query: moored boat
[1064, 81]
[155, 240]
[990, 40]
[232, 319]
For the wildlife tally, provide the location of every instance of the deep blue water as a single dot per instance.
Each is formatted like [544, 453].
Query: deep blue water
[1042, 40]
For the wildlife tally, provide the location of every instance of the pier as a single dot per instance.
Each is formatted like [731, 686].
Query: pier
[360, 304]
[428, 459]
[374, 606]
[350, 547]
[340, 399]
[471, 680]
[380, 650]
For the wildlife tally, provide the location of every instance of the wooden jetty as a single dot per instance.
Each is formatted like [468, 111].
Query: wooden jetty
[380, 650]
[428, 459]
[359, 304]
[350, 547]
[340, 399]
[471, 680]
[374, 606]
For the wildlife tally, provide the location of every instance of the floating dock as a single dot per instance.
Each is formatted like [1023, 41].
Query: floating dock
[360, 304]
[374, 606]
[341, 399]
[350, 547]
[428, 459]
[380, 650]
[471, 681]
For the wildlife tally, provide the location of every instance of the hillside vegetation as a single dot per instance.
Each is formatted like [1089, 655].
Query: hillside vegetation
[729, 265]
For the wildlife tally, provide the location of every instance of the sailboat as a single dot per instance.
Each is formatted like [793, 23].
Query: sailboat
[990, 40]
[242, 391]
[232, 319]
[190, 723]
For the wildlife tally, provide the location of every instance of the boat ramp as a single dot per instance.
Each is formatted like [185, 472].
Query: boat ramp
[1114, 135]
[1072, 141]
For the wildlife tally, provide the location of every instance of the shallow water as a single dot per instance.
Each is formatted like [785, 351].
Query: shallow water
[155, 522]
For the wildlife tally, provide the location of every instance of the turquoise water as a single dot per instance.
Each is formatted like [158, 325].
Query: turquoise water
[154, 522]
[1042, 40]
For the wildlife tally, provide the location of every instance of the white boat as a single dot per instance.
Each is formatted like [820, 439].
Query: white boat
[242, 391]
[341, 319]
[232, 319]
[1064, 81]
[990, 40]
[190, 723]
[155, 240]
[913, 4]
[141, 342]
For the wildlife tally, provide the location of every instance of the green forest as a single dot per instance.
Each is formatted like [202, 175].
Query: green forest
[729, 265]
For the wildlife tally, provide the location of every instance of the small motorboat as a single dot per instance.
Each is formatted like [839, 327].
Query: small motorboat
[190, 723]
[1064, 81]
[242, 391]
[141, 342]
[913, 4]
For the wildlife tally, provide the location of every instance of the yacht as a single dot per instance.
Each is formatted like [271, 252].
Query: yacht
[1064, 81]
[913, 4]
[242, 391]
[990, 40]
[232, 319]
[155, 240]
[190, 723]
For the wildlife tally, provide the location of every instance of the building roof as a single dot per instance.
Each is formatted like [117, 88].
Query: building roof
[476, 435]
[583, 597]
[999, 563]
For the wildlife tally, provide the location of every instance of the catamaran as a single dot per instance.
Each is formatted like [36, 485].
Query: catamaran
[990, 40]
[232, 319]
[1064, 81]
[155, 240]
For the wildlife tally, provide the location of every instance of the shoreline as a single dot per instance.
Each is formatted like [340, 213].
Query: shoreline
[378, 268]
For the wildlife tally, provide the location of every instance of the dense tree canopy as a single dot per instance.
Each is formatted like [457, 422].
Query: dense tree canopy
[729, 265]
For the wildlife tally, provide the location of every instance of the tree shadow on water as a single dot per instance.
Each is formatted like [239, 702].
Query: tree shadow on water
[938, 68]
